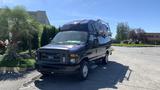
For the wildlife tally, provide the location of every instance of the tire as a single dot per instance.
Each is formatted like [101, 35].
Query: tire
[105, 59]
[84, 70]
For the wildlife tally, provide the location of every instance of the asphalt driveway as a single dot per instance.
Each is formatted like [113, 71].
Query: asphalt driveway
[128, 69]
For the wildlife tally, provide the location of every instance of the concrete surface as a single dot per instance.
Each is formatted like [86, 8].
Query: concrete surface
[128, 69]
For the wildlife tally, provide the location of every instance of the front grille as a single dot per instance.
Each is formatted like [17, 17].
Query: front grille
[53, 56]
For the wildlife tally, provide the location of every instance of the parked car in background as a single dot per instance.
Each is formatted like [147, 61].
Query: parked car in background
[78, 44]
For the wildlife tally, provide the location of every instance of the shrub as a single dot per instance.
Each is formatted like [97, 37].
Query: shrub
[24, 63]
[48, 34]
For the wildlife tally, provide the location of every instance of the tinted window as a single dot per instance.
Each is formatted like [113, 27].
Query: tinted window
[97, 26]
[92, 29]
[105, 30]
[103, 40]
[83, 27]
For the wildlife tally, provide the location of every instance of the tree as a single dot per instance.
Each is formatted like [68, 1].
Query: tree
[140, 34]
[122, 31]
[132, 35]
[35, 41]
[20, 25]
[48, 34]
[43, 37]
[4, 26]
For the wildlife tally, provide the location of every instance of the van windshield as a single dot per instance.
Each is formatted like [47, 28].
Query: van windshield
[70, 37]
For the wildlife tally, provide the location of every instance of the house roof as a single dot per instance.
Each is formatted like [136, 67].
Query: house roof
[40, 16]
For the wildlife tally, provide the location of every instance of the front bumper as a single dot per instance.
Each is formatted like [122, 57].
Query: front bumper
[57, 68]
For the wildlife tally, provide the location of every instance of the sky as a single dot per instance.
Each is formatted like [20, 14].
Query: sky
[143, 14]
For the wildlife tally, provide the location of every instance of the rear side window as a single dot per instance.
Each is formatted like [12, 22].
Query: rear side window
[103, 30]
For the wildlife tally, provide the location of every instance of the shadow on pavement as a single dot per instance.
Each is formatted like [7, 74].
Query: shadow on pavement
[104, 76]
[12, 75]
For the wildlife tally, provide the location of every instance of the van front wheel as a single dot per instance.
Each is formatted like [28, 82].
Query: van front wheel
[83, 72]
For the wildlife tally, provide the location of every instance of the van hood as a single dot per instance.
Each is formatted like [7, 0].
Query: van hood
[70, 48]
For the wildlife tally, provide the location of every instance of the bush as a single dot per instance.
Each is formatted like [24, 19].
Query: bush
[27, 63]
[124, 42]
[48, 34]
[35, 41]
[24, 63]
[23, 45]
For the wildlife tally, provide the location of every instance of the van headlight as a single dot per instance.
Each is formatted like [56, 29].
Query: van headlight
[73, 55]
[73, 58]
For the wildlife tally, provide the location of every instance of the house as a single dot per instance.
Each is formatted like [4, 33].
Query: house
[40, 16]
[153, 38]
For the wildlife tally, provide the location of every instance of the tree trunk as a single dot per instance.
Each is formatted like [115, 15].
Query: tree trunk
[11, 51]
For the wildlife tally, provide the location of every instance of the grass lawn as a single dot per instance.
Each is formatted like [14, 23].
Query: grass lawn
[135, 45]
[24, 63]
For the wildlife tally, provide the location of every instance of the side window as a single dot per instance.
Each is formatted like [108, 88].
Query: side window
[97, 27]
[92, 39]
[101, 27]
[105, 28]
[102, 38]
[92, 29]
[108, 30]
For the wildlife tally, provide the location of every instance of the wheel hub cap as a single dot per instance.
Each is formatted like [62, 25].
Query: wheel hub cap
[85, 71]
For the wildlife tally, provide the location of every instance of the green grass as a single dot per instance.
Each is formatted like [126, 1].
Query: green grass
[135, 45]
[24, 63]
[24, 52]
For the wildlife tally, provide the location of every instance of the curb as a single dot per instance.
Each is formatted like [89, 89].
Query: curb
[14, 70]
[136, 46]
